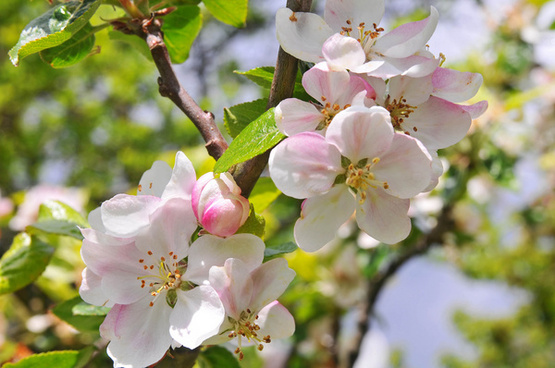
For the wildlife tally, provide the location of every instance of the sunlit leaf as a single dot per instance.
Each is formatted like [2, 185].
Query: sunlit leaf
[254, 225]
[264, 75]
[72, 51]
[237, 117]
[56, 210]
[180, 28]
[263, 194]
[275, 250]
[58, 359]
[232, 12]
[75, 313]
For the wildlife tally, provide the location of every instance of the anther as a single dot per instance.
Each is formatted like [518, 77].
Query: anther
[293, 18]
[140, 188]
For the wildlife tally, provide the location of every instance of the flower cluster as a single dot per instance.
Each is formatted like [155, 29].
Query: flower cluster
[166, 291]
[383, 106]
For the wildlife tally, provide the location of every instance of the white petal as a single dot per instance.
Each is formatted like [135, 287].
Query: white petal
[325, 85]
[139, 333]
[384, 217]
[154, 180]
[294, 116]
[234, 285]
[360, 132]
[342, 52]
[276, 321]
[408, 38]
[124, 215]
[302, 34]
[415, 90]
[455, 86]
[415, 66]
[337, 12]
[210, 250]
[406, 167]
[197, 315]
[101, 238]
[183, 178]
[304, 165]
[91, 291]
[321, 217]
[270, 281]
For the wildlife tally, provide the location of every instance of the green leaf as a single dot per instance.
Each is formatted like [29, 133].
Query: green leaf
[26, 260]
[85, 309]
[275, 250]
[216, 357]
[58, 227]
[135, 42]
[264, 75]
[258, 137]
[56, 210]
[254, 224]
[72, 51]
[232, 12]
[237, 117]
[58, 359]
[53, 28]
[263, 194]
[180, 28]
[71, 311]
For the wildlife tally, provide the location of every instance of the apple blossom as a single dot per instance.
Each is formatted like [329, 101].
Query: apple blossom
[361, 166]
[335, 90]
[218, 204]
[348, 37]
[249, 296]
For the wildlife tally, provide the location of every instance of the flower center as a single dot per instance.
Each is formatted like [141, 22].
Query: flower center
[360, 178]
[165, 276]
[365, 36]
[247, 328]
[399, 111]
[329, 111]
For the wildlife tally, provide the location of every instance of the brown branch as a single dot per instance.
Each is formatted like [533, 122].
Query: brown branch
[247, 173]
[378, 281]
[170, 87]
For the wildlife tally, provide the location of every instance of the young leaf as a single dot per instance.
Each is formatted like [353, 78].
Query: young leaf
[255, 224]
[53, 28]
[56, 210]
[58, 227]
[258, 137]
[180, 28]
[70, 312]
[272, 251]
[26, 260]
[216, 357]
[264, 75]
[232, 12]
[58, 359]
[237, 117]
[72, 51]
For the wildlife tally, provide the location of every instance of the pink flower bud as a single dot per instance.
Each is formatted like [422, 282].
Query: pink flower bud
[218, 204]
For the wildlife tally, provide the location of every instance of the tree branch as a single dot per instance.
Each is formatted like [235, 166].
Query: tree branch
[170, 87]
[376, 283]
[247, 173]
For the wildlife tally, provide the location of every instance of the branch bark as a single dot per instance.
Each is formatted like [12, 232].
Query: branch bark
[170, 87]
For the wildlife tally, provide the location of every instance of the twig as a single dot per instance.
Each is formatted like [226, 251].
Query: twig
[378, 281]
[170, 87]
[247, 173]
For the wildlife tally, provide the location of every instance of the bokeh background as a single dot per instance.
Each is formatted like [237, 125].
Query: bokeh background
[485, 297]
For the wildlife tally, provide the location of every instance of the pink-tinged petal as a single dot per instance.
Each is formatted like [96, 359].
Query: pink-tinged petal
[102, 259]
[360, 132]
[270, 281]
[123, 287]
[455, 86]
[294, 116]
[91, 290]
[302, 34]
[197, 190]
[197, 315]
[98, 237]
[437, 171]
[406, 167]
[170, 230]
[356, 87]
[136, 344]
[321, 217]
[124, 215]
[95, 220]
[234, 285]
[182, 180]
[379, 85]
[337, 12]
[342, 52]
[210, 250]
[415, 66]
[384, 217]
[415, 90]
[475, 110]
[276, 321]
[154, 180]
[408, 38]
[439, 123]
[304, 165]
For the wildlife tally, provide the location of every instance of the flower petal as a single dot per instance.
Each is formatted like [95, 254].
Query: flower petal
[275, 320]
[183, 178]
[154, 180]
[323, 84]
[197, 315]
[360, 132]
[137, 344]
[415, 90]
[304, 165]
[91, 291]
[406, 167]
[384, 217]
[270, 281]
[302, 34]
[337, 12]
[294, 116]
[415, 66]
[210, 250]
[455, 86]
[234, 285]
[342, 52]
[475, 110]
[408, 38]
[321, 216]
[124, 215]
